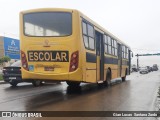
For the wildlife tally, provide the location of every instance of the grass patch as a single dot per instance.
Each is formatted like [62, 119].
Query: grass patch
[1, 78]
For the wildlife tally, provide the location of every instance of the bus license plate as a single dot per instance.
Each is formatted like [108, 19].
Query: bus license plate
[48, 68]
[12, 78]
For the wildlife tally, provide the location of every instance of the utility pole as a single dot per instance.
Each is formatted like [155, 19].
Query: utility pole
[155, 54]
[137, 62]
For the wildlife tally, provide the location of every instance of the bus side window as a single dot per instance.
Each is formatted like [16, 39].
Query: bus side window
[126, 53]
[88, 36]
[115, 46]
[85, 38]
[122, 51]
[90, 31]
[91, 37]
[113, 52]
[109, 45]
[106, 43]
[84, 26]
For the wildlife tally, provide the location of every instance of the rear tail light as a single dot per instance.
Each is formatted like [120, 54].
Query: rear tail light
[74, 61]
[24, 60]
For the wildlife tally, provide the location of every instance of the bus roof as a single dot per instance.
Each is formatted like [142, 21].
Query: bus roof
[47, 9]
[81, 15]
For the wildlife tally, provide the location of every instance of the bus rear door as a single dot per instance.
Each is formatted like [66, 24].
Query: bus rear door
[119, 60]
[100, 55]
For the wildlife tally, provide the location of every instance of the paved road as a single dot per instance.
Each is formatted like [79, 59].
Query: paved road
[138, 93]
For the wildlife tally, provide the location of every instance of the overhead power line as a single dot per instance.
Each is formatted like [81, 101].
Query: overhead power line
[139, 49]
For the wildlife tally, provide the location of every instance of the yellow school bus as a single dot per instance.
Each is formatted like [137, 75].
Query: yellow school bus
[65, 45]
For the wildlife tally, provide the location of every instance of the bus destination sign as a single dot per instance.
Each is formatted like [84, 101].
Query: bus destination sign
[48, 56]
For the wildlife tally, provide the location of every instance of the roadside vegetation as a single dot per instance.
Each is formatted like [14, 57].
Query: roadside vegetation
[1, 77]
[4, 59]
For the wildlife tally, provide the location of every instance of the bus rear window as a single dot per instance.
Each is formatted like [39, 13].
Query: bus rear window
[48, 24]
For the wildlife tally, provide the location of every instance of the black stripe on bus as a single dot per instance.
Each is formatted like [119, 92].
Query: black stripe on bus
[124, 62]
[109, 60]
[90, 57]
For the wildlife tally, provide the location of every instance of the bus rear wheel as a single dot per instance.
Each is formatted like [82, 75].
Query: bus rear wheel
[73, 83]
[37, 83]
[124, 78]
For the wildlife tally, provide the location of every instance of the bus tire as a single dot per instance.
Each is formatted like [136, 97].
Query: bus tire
[73, 83]
[108, 78]
[124, 78]
[36, 83]
[14, 84]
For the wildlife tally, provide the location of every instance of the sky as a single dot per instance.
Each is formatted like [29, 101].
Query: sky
[136, 22]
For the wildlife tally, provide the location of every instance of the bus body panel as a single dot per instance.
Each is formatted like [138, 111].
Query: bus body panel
[75, 76]
[46, 53]
[89, 69]
[32, 46]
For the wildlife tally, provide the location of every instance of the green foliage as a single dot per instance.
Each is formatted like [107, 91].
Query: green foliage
[1, 78]
[5, 59]
[1, 61]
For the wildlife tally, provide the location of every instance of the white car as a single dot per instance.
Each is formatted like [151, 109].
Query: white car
[143, 70]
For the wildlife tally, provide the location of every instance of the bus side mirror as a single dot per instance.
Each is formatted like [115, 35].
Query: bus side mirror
[132, 54]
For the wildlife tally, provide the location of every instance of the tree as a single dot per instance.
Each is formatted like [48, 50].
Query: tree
[5, 59]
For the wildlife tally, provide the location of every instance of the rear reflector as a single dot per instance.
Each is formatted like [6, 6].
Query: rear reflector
[24, 60]
[74, 61]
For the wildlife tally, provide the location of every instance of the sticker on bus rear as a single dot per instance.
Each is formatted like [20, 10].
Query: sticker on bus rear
[31, 68]
[48, 56]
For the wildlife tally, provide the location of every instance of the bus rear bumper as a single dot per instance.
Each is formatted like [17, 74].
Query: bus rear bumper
[72, 76]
